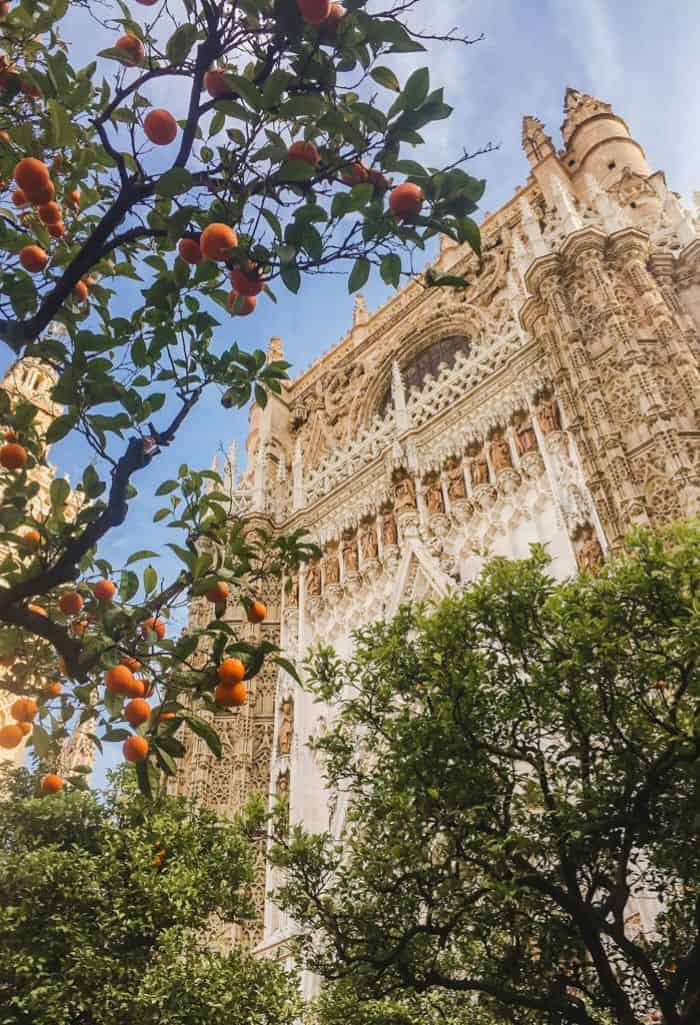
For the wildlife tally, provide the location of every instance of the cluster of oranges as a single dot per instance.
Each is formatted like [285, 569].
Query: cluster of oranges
[36, 188]
[23, 711]
[323, 13]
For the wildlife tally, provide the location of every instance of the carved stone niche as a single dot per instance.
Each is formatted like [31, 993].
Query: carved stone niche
[548, 415]
[434, 504]
[390, 535]
[351, 560]
[285, 732]
[589, 554]
[313, 584]
[526, 443]
[405, 507]
[369, 548]
[281, 811]
[331, 572]
[483, 491]
[507, 478]
[460, 507]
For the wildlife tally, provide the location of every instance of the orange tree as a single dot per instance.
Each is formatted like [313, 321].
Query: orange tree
[287, 160]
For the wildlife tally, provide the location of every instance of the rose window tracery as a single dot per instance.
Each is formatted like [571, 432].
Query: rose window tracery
[426, 363]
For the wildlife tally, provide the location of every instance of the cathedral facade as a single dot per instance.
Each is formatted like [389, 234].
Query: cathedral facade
[555, 400]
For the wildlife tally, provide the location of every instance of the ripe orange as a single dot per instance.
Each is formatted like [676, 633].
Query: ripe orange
[81, 291]
[135, 749]
[19, 197]
[231, 671]
[256, 612]
[219, 592]
[216, 85]
[247, 279]
[24, 709]
[43, 194]
[10, 736]
[305, 151]
[314, 11]
[189, 251]
[70, 603]
[136, 689]
[131, 663]
[230, 695]
[247, 305]
[4, 8]
[33, 258]
[131, 48]
[51, 783]
[53, 689]
[31, 174]
[160, 127]
[50, 213]
[38, 610]
[137, 712]
[216, 240]
[13, 456]
[56, 230]
[73, 199]
[29, 89]
[406, 200]
[32, 538]
[11, 435]
[3, 134]
[329, 28]
[355, 174]
[377, 179]
[104, 590]
[119, 680]
[166, 716]
[156, 625]
[26, 728]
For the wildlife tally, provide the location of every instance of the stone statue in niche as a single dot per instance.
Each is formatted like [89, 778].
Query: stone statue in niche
[350, 558]
[313, 580]
[390, 536]
[456, 488]
[479, 469]
[404, 493]
[548, 416]
[282, 799]
[286, 729]
[500, 453]
[434, 501]
[331, 567]
[525, 437]
[292, 592]
[589, 554]
[368, 542]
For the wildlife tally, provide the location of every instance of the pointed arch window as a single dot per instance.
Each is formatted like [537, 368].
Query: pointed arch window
[427, 361]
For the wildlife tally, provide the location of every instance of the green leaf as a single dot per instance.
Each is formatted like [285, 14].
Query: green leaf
[469, 232]
[150, 579]
[59, 492]
[291, 277]
[390, 269]
[60, 427]
[359, 274]
[207, 733]
[180, 43]
[141, 554]
[174, 182]
[387, 78]
[166, 487]
[128, 585]
[296, 171]
[416, 89]
[41, 740]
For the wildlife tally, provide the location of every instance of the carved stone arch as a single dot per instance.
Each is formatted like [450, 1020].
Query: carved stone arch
[468, 322]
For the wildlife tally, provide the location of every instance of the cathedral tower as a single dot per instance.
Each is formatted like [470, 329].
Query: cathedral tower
[556, 400]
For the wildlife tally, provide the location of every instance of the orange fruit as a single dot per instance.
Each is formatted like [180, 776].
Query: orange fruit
[156, 625]
[218, 593]
[131, 49]
[189, 251]
[247, 279]
[314, 11]
[32, 537]
[131, 663]
[119, 680]
[10, 736]
[166, 716]
[256, 612]
[246, 306]
[51, 783]
[104, 590]
[135, 749]
[53, 689]
[377, 179]
[305, 151]
[80, 291]
[24, 709]
[230, 695]
[70, 603]
[355, 174]
[216, 85]
[29, 89]
[8, 660]
[231, 671]
[13, 456]
[19, 197]
[26, 728]
[329, 28]
[73, 199]
[136, 689]
[3, 134]
[50, 213]
[406, 200]
[43, 194]
[33, 259]
[31, 174]
[56, 230]
[137, 712]
[160, 127]
[4, 8]
[38, 610]
[216, 240]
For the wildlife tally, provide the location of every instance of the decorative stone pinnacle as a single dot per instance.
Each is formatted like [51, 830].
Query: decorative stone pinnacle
[275, 350]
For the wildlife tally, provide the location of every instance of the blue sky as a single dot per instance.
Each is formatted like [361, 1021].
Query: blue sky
[640, 56]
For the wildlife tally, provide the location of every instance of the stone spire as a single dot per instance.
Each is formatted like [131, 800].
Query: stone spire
[532, 230]
[398, 395]
[275, 350]
[298, 476]
[536, 143]
[564, 201]
[579, 107]
[231, 468]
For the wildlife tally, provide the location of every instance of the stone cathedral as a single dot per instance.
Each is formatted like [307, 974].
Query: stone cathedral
[557, 400]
